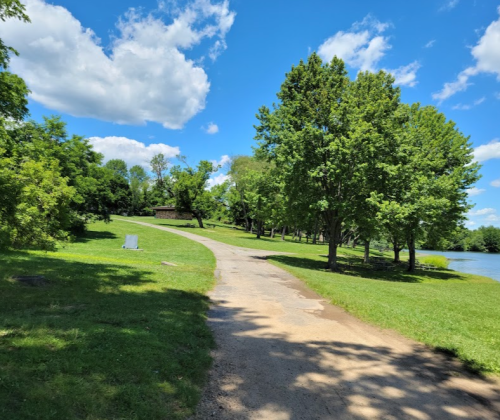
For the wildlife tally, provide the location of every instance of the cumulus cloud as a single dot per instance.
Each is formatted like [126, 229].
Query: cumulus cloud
[495, 183]
[133, 152]
[363, 46]
[217, 180]
[211, 128]
[406, 75]
[487, 151]
[465, 107]
[482, 212]
[475, 191]
[493, 218]
[487, 56]
[143, 75]
[224, 160]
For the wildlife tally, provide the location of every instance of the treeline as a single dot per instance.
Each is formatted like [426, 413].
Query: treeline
[483, 239]
[340, 159]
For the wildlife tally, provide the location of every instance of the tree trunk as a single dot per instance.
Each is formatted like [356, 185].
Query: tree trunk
[200, 220]
[411, 249]
[259, 228]
[333, 234]
[315, 234]
[366, 258]
[245, 216]
[251, 227]
[300, 236]
[396, 252]
[283, 232]
[272, 233]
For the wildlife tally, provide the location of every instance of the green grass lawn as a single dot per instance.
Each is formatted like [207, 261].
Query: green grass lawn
[112, 335]
[456, 312]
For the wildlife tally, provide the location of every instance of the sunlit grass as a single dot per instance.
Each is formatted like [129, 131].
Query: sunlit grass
[113, 334]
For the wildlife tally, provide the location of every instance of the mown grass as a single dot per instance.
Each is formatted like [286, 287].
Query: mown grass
[447, 310]
[112, 335]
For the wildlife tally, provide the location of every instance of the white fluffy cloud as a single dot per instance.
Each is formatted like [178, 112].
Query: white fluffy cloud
[487, 56]
[363, 46]
[224, 160]
[475, 191]
[487, 151]
[133, 152]
[211, 128]
[143, 75]
[495, 183]
[406, 75]
[217, 180]
[482, 212]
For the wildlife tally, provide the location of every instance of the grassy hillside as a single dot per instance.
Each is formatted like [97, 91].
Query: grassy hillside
[112, 333]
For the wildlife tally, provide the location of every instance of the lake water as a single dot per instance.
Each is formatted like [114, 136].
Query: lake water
[481, 263]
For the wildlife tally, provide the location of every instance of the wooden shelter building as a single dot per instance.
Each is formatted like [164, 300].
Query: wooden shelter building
[169, 212]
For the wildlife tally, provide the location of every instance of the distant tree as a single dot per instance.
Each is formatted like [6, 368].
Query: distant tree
[139, 188]
[159, 165]
[491, 238]
[119, 167]
[190, 190]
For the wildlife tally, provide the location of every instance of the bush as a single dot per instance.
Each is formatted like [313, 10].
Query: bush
[436, 260]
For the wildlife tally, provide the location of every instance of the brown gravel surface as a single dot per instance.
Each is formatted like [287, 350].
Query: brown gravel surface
[284, 353]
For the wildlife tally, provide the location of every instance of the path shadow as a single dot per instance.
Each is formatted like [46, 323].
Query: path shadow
[286, 379]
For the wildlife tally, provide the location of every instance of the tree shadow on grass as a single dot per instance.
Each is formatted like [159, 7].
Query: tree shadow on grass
[94, 235]
[93, 343]
[354, 267]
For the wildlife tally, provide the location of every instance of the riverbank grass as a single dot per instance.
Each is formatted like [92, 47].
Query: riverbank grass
[455, 312]
[108, 333]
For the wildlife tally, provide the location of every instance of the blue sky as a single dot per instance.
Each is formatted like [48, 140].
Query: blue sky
[138, 78]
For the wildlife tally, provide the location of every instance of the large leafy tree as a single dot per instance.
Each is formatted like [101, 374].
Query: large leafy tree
[427, 179]
[325, 136]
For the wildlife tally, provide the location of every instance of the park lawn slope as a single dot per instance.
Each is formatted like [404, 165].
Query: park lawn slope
[113, 334]
[447, 310]
[233, 235]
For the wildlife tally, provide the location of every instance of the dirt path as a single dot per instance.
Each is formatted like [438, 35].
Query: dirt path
[284, 353]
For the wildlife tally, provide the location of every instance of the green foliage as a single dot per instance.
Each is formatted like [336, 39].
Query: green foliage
[436, 260]
[118, 167]
[190, 189]
[491, 238]
[35, 203]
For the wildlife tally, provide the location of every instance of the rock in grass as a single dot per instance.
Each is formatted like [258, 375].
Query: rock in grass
[168, 263]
